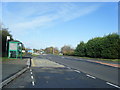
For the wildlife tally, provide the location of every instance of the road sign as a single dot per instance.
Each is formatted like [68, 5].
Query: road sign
[8, 37]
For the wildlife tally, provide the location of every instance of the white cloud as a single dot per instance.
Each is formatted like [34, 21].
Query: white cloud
[39, 17]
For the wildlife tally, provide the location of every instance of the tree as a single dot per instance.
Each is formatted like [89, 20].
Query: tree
[4, 33]
[100, 47]
[94, 47]
[55, 51]
[111, 46]
[52, 50]
[49, 50]
[67, 50]
[81, 49]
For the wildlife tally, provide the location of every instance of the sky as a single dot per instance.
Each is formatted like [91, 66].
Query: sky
[44, 24]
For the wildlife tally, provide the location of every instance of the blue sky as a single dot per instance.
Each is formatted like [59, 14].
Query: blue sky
[40, 25]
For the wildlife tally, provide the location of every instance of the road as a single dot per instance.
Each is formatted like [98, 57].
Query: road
[68, 72]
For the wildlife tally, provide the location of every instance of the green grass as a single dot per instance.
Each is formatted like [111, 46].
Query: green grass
[112, 60]
[34, 55]
[5, 59]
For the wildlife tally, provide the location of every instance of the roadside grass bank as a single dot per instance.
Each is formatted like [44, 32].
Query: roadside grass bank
[5, 59]
[35, 55]
[101, 59]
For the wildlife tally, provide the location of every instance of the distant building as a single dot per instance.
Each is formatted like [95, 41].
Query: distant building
[29, 51]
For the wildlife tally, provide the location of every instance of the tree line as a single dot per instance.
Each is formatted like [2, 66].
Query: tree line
[100, 47]
[107, 47]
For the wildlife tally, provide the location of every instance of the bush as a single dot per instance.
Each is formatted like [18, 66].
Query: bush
[100, 47]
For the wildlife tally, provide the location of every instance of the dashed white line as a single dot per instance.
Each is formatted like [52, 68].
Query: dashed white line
[31, 72]
[68, 67]
[77, 71]
[90, 76]
[33, 83]
[32, 77]
[113, 85]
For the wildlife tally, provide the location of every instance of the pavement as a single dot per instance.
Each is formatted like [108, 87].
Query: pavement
[12, 68]
[47, 72]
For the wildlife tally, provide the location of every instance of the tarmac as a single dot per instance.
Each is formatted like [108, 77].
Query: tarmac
[13, 68]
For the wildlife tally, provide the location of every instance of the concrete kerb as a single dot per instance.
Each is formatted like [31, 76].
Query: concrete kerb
[5, 82]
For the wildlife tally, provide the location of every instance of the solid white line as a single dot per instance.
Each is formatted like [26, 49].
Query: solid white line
[32, 77]
[90, 76]
[33, 83]
[113, 85]
[77, 71]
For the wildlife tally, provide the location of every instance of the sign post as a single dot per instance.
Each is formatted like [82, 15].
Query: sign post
[8, 38]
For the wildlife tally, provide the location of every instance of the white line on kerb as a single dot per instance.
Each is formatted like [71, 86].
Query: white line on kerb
[33, 83]
[90, 76]
[77, 71]
[113, 85]
[32, 77]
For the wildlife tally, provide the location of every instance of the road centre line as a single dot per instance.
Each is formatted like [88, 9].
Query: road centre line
[77, 71]
[32, 77]
[90, 76]
[68, 67]
[33, 83]
[113, 85]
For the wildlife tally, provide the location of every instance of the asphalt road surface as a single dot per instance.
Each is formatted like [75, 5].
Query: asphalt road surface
[73, 73]
[104, 72]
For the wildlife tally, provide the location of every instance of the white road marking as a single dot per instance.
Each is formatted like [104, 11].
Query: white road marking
[31, 72]
[77, 71]
[113, 85]
[33, 83]
[90, 76]
[68, 67]
[32, 77]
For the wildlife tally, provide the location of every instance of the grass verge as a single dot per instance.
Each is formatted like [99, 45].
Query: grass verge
[101, 59]
[4, 59]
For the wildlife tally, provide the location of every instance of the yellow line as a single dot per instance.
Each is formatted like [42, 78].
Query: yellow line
[33, 64]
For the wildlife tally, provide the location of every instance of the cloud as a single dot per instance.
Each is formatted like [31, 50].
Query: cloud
[31, 16]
